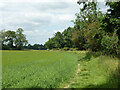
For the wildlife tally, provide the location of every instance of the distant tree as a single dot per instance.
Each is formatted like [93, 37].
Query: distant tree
[2, 39]
[20, 39]
[38, 47]
[29, 46]
[50, 44]
[10, 37]
[58, 40]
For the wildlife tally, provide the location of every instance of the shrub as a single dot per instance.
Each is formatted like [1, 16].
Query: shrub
[66, 48]
[110, 44]
[73, 49]
[118, 52]
[93, 36]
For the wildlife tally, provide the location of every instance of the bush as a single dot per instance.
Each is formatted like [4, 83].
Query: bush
[109, 44]
[73, 49]
[66, 48]
[93, 36]
[118, 52]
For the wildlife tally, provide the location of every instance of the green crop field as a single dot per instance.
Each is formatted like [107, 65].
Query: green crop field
[37, 69]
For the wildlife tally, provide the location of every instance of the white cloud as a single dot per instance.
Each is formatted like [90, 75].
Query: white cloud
[66, 17]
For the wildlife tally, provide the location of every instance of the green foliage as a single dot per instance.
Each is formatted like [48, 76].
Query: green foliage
[10, 38]
[93, 36]
[78, 39]
[110, 44]
[118, 52]
[114, 9]
[35, 47]
[73, 49]
[13, 40]
[67, 35]
[66, 48]
[49, 44]
[60, 40]
[2, 39]
[89, 10]
[20, 39]
[111, 22]
[7, 39]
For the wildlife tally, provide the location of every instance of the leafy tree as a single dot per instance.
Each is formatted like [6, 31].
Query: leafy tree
[93, 36]
[10, 38]
[88, 14]
[111, 25]
[78, 39]
[56, 42]
[50, 44]
[2, 39]
[38, 47]
[67, 35]
[20, 39]
[58, 39]
[29, 46]
[111, 22]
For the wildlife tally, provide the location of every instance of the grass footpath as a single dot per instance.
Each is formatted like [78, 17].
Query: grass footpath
[96, 72]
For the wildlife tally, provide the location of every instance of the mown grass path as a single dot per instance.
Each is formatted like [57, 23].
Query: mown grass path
[76, 73]
[95, 72]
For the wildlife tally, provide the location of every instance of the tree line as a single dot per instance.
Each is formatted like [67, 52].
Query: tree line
[35, 47]
[93, 30]
[11, 40]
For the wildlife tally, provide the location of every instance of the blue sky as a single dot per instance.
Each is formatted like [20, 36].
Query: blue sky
[40, 19]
